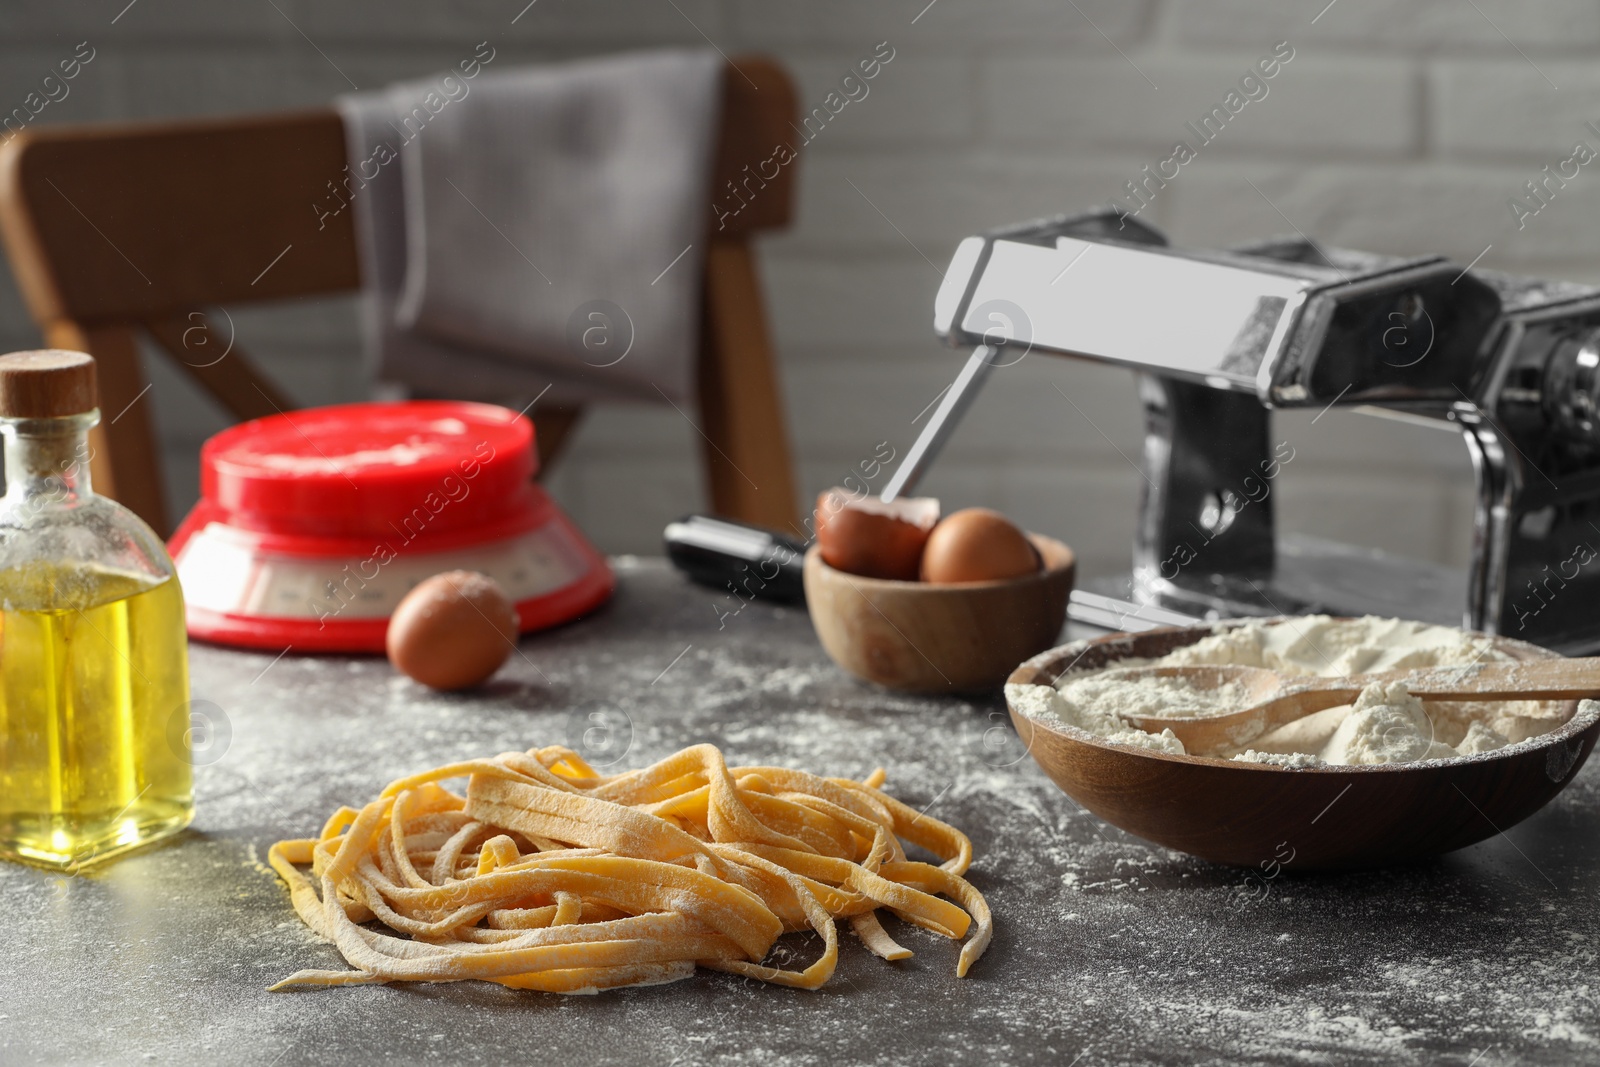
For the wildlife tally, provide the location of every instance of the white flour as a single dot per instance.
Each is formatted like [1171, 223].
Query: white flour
[1114, 692]
[1279, 759]
[1045, 702]
[1386, 724]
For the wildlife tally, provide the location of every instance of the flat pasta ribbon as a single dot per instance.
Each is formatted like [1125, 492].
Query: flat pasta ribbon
[547, 875]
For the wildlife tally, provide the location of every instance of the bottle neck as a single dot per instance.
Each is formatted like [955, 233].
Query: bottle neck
[47, 460]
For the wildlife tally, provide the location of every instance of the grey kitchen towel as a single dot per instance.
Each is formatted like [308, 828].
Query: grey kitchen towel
[374, 192]
[537, 227]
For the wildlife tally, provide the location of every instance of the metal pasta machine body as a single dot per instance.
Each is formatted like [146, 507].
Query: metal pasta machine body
[1218, 339]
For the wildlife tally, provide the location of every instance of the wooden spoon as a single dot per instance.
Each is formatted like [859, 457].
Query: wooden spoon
[1273, 699]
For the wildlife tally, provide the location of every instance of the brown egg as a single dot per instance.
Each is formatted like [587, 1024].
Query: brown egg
[863, 535]
[977, 545]
[453, 630]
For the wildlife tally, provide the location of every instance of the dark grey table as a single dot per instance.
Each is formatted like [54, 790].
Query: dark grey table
[1107, 949]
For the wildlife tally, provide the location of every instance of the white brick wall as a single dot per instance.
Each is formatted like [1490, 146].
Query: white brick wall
[1400, 125]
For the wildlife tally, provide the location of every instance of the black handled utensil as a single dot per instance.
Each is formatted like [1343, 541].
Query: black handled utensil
[738, 557]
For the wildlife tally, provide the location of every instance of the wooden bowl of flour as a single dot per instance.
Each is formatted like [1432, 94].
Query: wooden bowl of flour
[1273, 818]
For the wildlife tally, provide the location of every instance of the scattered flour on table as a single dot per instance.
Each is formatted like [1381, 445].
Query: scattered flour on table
[1386, 724]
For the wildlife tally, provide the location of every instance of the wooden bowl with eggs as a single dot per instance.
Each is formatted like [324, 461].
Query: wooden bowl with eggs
[930, 637]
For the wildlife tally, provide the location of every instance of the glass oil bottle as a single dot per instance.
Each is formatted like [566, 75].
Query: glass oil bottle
[94, 687]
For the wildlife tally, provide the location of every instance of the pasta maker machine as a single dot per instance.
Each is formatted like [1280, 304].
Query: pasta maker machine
[1219, 339]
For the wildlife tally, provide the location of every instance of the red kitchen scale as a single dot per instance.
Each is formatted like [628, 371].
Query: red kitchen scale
[312, 525]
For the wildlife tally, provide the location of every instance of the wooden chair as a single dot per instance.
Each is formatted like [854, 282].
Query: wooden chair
[116, 229]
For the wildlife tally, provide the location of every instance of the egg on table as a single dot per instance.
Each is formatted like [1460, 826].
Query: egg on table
[453, 630]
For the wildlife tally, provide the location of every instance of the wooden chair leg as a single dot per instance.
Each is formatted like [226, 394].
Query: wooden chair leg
[125, 462]
[748, 468]
[219, 367]
[552, 428]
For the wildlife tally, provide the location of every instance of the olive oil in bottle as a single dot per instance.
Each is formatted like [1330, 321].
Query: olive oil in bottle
[94, 687]
[93, 710]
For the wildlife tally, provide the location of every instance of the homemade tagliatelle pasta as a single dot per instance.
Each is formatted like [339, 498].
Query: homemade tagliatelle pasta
[547, 875]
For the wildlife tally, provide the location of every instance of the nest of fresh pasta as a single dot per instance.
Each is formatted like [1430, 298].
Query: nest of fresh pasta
[548, 875]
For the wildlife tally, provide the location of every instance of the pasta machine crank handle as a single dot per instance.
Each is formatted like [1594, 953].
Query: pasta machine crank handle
[942, 423]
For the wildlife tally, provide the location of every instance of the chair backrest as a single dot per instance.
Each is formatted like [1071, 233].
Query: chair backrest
[117, 230]
[138, 223]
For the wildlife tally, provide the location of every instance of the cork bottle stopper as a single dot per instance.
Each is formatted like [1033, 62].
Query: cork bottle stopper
[45, 384]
